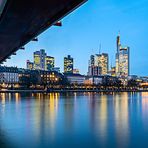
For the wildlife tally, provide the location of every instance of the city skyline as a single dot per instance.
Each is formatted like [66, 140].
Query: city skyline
[98, 64]
[73, 73]
[97, 28]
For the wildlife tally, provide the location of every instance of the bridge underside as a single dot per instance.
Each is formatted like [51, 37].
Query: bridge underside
[22, 20]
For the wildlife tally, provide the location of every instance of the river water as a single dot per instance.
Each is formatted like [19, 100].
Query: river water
[74, 120]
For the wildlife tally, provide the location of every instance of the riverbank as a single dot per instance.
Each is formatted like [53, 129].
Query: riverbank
[65, 91]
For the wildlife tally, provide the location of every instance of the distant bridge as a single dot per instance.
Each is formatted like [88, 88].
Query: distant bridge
[22, 20]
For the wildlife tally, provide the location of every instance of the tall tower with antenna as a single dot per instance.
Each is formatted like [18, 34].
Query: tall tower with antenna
[117, 54]
[100, 48]
[118, 42]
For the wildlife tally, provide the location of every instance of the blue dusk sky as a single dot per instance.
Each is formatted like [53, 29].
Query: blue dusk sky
[97, 21]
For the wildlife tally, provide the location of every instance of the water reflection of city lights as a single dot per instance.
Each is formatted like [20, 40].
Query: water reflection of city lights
[3, 101]
[121, 118]
[9, 96]
[53, 109]
[144, 102]
[17, 98]
[75, 95]
[3, 98]
[144, 94]
[103, 117]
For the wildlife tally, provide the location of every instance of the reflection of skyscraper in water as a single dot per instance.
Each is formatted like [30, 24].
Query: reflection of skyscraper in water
[45, 115]
[69, 111]
[3, 100]
[99, 117]
[121, 119]
[53, 109]
[144, 99]
[103, 118]
[17, 96]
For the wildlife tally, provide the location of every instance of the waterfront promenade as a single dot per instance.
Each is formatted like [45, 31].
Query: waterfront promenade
[69, 90]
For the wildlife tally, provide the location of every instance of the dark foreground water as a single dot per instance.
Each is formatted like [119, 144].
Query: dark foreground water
[74, 120]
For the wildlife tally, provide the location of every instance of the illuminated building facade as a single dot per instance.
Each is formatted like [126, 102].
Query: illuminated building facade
[9, 75]
[93, 68]
[117, 55]
[92, 60]
[75, 78]
[29, 65]
[90, 80]
[122, 60]
[103, 63]
[39, 59]
[68, 64]
[49, 63]
[113, 71]
[42, 59]
[98, 64]
[50, 77]
[94, 71]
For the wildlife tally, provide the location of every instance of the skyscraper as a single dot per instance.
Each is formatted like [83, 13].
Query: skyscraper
[103, 63]
[49, 63]
[36, 60]
[42, 59]
[93, 67]
[122, 59]
[68, 64]
[39, 59]
[117, 55]
[29, 65]
[98, 64]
